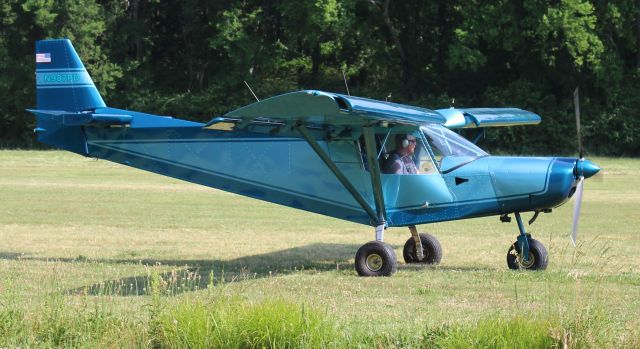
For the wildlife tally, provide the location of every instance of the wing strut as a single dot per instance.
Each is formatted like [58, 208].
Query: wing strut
[336, 171]
[374, 170]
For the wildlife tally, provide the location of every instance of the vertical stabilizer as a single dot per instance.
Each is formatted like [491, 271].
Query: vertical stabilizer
[62, 82]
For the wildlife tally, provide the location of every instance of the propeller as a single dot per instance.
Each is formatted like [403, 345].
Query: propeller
[584, 169]
[577, 204]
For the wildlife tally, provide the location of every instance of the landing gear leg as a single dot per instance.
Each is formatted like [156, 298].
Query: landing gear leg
[421, 248]
[526, 253]
[380, 232]
[376, 258]
[417, 243]
[523, 239]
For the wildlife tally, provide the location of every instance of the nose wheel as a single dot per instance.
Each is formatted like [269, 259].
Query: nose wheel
[526, 253]
[538, 256]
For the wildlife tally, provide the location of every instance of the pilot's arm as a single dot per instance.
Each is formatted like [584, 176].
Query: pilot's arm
[393, 165]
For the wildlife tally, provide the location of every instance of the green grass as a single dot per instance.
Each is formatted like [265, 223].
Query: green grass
[236, 324]
[81, 241]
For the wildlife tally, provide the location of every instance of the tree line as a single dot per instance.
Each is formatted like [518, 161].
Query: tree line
[190, 59]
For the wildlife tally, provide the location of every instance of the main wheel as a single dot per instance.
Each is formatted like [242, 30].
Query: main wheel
[538, 257]
[376, 258]
[431, 249]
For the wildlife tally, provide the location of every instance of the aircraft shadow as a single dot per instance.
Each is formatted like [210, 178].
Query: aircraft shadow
[10, 255]
[189, 275]
[419, 267]
[192, 275]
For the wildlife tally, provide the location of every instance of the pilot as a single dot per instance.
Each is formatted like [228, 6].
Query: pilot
[401, 161]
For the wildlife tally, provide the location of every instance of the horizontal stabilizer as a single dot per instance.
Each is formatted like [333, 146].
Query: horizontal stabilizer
[67, 118]
[487, 117]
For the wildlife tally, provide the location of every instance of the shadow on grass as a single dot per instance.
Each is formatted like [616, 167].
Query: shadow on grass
[459, 268]
[11, 255]
[192, 275]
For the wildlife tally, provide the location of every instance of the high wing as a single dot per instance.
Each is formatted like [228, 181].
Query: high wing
[318, 108]
[305, 111]
[487, 117]
[323, 108]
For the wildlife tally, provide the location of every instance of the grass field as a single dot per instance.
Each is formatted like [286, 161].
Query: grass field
[94, 254]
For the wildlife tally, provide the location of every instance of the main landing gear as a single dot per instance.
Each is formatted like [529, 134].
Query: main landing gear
[376, 258]
[421, 248]
[526, 253]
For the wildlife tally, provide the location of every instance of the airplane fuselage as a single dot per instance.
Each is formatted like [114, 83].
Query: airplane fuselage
[285, 170]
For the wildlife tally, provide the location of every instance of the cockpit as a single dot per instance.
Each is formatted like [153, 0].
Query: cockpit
[431, 149]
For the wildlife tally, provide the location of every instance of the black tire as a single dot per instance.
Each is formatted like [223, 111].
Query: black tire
[430, 246]
[376, 258]
[538, 257]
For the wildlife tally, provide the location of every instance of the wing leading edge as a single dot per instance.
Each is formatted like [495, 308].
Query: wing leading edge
[324, 108]
[487, 117]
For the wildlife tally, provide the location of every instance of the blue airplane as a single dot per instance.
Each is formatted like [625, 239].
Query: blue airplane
[366, 161]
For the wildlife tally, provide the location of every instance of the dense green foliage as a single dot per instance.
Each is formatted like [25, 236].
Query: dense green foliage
[190, 58]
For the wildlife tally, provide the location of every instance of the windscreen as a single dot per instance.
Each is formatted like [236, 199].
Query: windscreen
[449, 148]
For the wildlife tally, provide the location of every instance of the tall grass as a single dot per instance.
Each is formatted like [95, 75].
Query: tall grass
[225, 321]
[215, 318]
[233, 323]
[516, 333]
[57, 323]
[588, 328]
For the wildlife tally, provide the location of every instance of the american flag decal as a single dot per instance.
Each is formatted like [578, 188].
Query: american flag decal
[43, 57]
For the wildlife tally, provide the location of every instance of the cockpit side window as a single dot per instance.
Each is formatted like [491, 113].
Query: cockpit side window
[382, 149]
[425, 157]
[449, 148]
[400, 152]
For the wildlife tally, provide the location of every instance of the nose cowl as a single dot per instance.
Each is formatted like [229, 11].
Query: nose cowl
[585, 168]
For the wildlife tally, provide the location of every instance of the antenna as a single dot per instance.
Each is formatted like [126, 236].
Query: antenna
[388, 97]
[249, 87]
[453, 102]
[344, 77]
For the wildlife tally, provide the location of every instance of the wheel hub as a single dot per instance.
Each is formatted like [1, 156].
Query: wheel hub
[528, 264]
[374, 262]
[425, 254]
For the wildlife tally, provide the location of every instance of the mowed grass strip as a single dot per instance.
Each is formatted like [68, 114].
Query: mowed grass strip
[93, 232]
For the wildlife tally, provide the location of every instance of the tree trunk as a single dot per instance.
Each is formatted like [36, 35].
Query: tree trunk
[404, 61]
[315, 63]
[443, 43]
[637, 34]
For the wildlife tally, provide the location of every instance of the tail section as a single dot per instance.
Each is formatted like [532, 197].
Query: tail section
[66, 96]
[62, 82]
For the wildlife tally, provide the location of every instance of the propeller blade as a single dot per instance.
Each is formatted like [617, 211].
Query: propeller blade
[576, 210]
[576, 104]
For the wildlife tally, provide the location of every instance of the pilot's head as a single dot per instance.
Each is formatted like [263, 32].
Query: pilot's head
[406, 143]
